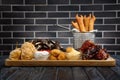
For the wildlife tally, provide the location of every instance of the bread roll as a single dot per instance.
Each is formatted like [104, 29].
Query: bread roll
[28, 51]
[15, 54]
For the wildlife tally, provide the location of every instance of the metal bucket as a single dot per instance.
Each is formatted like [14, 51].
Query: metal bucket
[80, 38]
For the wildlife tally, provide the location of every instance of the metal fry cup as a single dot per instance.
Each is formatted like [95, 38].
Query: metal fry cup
[80, 38]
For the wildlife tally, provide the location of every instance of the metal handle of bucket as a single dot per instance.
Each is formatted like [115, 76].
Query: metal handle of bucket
[61, 26]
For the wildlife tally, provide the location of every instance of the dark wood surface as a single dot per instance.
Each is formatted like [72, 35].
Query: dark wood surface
[60, 73]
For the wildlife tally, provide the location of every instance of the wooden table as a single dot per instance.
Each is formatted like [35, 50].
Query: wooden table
[61, 73]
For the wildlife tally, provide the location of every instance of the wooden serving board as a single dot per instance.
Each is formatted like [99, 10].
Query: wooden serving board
[109, 62]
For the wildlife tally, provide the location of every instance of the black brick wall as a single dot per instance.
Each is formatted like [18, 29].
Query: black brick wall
[24, 20]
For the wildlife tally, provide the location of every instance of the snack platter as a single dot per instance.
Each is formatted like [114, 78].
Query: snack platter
[109, 62]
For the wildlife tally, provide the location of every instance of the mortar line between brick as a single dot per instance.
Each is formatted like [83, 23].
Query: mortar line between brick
[116, 1]
[1, 27]
[116, 14]
[69, 2]
[46, 2]
[92, 1]
[23, 2]
[11, 8]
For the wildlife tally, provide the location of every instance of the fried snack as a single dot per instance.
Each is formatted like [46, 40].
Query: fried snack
[80, 23]
[75, 25]
[15, 54]
[61, 56]
[57, 54]
[51, 57]
[72, 54]
[91, 23]
[86, 22]
[69, 49]
[28, 51]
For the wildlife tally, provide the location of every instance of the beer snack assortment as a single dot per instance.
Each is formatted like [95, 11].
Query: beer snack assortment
[46, 49]
[88, 51]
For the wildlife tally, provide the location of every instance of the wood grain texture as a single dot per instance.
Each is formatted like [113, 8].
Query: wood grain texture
[62, 73]
[109, 62]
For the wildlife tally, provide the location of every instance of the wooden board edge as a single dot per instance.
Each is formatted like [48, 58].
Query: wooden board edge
[111, 62]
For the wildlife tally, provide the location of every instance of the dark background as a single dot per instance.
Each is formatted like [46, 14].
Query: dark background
[23, 20]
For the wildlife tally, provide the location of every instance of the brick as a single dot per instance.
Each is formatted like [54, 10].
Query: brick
[118, 53]
[112, 47]
[118, 27]
[0, 41]
[5, 34]
[73, 14]
[58, 2]
[13, 28]
[0, 27]
[66, 45]
[58, 14]
[112, 21]
[35, 15]
[105, 41]
[81, 1]
[111, 52]
[56, 28]
[23, 21]
[5, 21]
[12, 1]
[118, 41]
[46, 21]
[65, 34]
[65, 21]
[45, 8]
[35, 28]
[45, 34]
[6, 52]
[5, 47]
[13, 41]
[118, 14]
[99, 21]
[13, 15]
[23, 34]
[112, 7]
[111, 34]
[0, 15]
[22, 8]
[105, 14]
[5, 8]
[105, 27]
[91, 7]
[104, 1]
[14, 46]
[35, 1]
[98, 34]
[68, 8]
[29, 39]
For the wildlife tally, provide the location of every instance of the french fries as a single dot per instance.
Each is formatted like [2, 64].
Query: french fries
[75, 25]
[91, 23]
[80, 23]
[84, 23]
